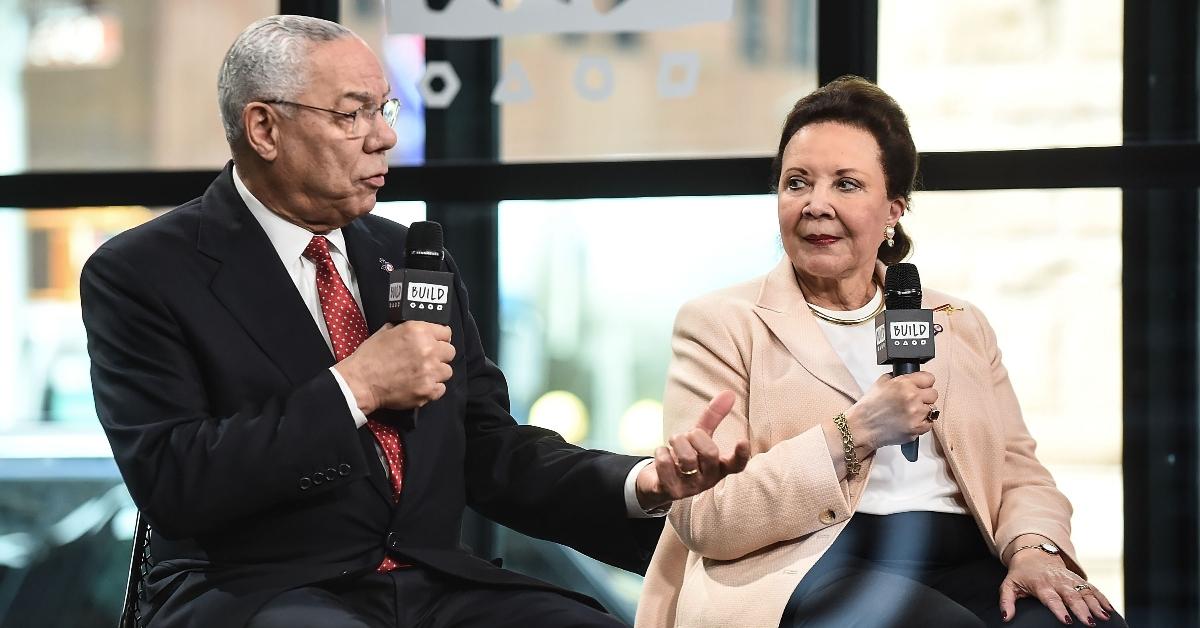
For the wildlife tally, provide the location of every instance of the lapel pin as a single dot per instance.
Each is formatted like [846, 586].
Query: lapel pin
[948, 309]
[385, 265]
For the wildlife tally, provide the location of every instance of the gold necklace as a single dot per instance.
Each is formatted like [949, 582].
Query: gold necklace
[847, 322]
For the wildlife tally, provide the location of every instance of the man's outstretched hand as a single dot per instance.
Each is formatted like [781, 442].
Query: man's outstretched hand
[691, 463]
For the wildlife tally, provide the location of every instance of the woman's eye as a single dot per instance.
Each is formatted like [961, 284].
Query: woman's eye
[795, 183]
[848, 184]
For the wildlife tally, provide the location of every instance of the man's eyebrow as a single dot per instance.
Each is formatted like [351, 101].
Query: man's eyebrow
[366, 97]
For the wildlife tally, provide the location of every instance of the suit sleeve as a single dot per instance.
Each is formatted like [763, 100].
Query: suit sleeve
[531, 480]
[783, 491]
[188, 469]
[1030, 502]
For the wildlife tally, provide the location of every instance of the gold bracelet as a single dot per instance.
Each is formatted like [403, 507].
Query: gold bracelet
[853, 466]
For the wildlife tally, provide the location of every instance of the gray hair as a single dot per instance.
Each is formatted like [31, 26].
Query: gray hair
[266, 63]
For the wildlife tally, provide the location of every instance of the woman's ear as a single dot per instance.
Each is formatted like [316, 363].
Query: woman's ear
[896, 209]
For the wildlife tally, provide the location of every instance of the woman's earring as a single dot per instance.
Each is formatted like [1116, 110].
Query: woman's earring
[889, 232]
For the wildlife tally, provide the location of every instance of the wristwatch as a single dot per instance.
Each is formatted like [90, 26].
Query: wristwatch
[1049, 548]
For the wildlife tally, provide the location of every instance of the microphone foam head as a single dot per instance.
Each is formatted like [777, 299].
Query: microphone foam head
[902, 287]
[424, 246]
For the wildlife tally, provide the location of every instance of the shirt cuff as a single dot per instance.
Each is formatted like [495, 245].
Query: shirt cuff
[632, 508]
[360, 419]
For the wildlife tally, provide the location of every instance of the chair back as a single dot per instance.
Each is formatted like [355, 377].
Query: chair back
[139, 566]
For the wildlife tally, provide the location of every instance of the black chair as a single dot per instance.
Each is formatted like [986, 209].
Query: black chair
[139, 566]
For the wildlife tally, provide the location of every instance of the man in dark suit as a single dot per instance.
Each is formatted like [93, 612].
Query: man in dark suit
[246, 380]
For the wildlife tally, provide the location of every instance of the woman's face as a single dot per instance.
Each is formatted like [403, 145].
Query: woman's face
[833, 203]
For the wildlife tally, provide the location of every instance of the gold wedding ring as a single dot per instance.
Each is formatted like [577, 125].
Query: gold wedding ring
[692, 472]
[1082, 587]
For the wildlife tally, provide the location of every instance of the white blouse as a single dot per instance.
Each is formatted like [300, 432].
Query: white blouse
[895, 484]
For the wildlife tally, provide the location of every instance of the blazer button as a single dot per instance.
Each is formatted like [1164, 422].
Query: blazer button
[305, 483]
[393, 540]
[828, 517]
[318, 479]
[343, 469]
[331, 474]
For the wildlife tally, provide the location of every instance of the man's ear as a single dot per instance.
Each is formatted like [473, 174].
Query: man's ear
[262, 130]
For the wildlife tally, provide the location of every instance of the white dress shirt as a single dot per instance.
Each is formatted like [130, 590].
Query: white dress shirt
[289, 241]
[895, 484]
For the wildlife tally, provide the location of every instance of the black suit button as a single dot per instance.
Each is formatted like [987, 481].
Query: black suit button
[305, 483]
[345, 573]
[318, 479]
[331, 474]
[393, 540]
[343, 469]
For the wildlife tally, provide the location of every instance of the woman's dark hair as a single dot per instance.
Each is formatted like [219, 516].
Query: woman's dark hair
[859, 103]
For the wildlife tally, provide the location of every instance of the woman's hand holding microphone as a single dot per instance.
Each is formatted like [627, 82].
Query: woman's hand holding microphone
[896, 410]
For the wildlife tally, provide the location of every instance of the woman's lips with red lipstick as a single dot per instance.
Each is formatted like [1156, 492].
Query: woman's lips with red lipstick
[821, 239]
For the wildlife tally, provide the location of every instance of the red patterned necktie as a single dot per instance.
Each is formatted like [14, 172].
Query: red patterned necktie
[347, 330]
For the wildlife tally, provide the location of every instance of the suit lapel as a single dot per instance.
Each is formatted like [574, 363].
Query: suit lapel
[948, 428]
[943, 347]
[782, 308]
[255, 287]
[367, 257]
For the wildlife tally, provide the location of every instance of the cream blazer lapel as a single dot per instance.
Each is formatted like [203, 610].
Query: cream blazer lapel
[782, 307]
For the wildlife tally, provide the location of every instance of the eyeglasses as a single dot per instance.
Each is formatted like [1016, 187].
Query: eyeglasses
[390, 109]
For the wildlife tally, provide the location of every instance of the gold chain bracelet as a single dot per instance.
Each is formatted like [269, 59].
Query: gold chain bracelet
[853, 466]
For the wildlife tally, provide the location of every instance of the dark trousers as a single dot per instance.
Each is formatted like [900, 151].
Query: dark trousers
[921, 569]
[414, 597]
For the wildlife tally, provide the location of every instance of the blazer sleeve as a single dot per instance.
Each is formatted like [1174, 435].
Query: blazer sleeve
[1030, 502]
[783, 491]
[531, 480]
[190, 470]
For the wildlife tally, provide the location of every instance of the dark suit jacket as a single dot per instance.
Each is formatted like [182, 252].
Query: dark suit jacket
[211, 380]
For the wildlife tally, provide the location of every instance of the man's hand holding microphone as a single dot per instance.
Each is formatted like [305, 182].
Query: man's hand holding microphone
[406, 364]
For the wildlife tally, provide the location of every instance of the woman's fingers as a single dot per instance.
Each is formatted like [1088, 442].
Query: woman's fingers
[1104, 603]
[1077, 604]
[1051, 600]
[1009, 592]
[1097, 603]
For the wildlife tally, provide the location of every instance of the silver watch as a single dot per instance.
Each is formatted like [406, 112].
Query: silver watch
[1049, 548]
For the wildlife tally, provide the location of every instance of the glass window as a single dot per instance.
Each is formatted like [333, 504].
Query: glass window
[645, 78]
[588, 294]
[589, 290]
[403, 59]
[115, 84]
[1000, 75]
[1031, 260]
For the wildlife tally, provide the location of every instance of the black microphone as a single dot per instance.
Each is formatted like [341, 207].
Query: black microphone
[421, 291]
[904, 331]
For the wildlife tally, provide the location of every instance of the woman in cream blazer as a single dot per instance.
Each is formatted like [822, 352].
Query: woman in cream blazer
[745, 553]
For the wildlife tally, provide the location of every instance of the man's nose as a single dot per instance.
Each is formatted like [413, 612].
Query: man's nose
[382, 136]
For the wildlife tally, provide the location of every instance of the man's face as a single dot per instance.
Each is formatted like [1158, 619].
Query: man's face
[329, 175]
